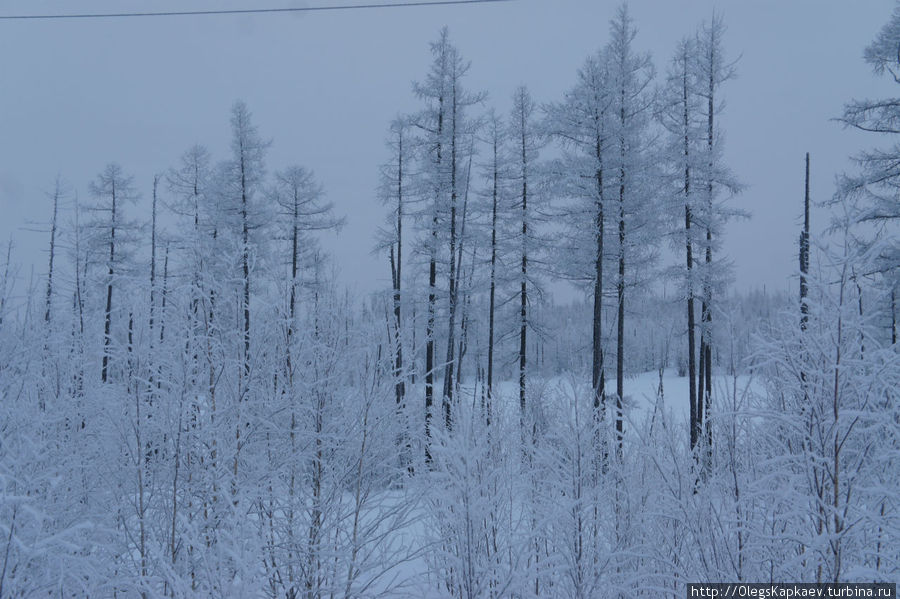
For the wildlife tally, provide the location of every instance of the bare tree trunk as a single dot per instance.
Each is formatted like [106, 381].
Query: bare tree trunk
[835, 474]
[134, 388]
[705, 389]
[49, 298]
[153, 257]
[414, 350]
[152, 378]
[77, 308]
[523, 309]
[173, 547]
[689, 258]
[396, 274]
[523, 316]
[432, 295]
[893, 316]
[395, 337]
[107, 320]
[152, 285]
[707, 407]
[597, 323]
[804, 254]
[245, 267]
[493, 284]
[692, 325]
[454, 273]
[598, 377]
[429, 343]
[464, 324]
[289, 378]
[460, 277]
[620, 323]
[620, 288]
[163, 295]
[244, 384]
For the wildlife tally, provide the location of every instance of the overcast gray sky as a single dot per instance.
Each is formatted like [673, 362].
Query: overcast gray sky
[77, 94]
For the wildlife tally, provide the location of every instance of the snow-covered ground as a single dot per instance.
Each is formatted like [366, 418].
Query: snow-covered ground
[644, 392]
[415, 577]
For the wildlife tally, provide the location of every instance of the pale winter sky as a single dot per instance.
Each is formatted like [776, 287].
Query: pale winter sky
[77, 94]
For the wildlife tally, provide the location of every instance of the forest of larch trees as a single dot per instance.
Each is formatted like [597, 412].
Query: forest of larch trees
[192, 406]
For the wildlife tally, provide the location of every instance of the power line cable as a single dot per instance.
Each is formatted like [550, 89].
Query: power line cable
[245, 11]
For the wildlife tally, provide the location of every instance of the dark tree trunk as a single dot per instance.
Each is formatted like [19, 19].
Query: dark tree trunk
[447, 398]
[692, 343]
[464, 323]
[804, 255]
[620, 320]
[77, 307]
[163, 295]
[399, 387]
[493, 289]
[620, 284]
[707, 295]
[707, 425]
[429, 336]
[704, 384]
[151, 323]
[523, 312]
[893, 317]
[107, 320]
[620, 288]
[689, 263]
[464, 314]
[47, 307]
[244, 384]
[454, 273]
[429, 344]
[432, 292]
[701, 371]
[413, 363]
[292, 300]
[523, 331]
[245, 267]
[162, 314]
[804, 272]
[153, 257]
[598, 378]
[597, 323]
[396, 272]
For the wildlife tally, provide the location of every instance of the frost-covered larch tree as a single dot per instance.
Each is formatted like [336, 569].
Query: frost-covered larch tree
[524, 145]
[717, 184]
[444, 129]
[630, 75]
[872, 188]
[112, 189]
[581, 124]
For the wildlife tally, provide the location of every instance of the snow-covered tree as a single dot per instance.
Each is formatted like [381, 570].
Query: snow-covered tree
[630, 75]
[582, 124]
[444, 133]
[112, 189]
[872, 188]
[717, 184]
[524, 144]
[679, 113]
[831, 396]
